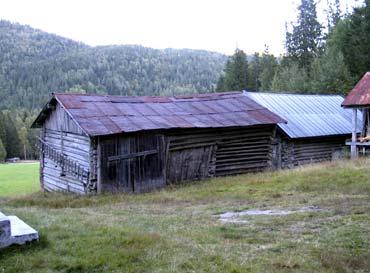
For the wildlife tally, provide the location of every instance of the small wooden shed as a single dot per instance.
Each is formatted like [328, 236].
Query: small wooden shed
[92, 143]
[316, 130]
[358, 102]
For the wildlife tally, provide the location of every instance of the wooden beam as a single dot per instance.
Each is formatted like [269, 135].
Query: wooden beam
[133, 155]
[99, 169]
[354, 134]
[42, 161]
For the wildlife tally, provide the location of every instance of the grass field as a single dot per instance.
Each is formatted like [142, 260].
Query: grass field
[178, 229]
[19, 178]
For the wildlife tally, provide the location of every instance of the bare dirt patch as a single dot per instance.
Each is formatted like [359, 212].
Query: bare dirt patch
[237, 217]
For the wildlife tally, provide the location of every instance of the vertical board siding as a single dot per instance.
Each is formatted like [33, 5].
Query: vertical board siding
[135, 174]
[59, 120]
[189, 164]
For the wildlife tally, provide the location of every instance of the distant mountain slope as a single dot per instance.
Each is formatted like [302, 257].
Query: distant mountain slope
[34, 63]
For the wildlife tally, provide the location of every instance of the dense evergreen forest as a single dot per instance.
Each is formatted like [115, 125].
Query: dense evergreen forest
[319, 58]
[33, 63]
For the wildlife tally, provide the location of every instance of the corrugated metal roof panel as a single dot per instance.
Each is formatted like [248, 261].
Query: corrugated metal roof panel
[104, 115]
[308, 115]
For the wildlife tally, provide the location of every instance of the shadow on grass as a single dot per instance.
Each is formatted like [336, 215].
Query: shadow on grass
[29, 247]
[62, 200]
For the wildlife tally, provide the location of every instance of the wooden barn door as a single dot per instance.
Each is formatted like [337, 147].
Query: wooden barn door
[133, 163]
[190, 164]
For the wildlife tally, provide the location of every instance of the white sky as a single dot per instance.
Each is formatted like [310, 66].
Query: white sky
[218, 25]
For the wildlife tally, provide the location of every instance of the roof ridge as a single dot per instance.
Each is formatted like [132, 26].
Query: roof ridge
[293, 94]
[185, 96]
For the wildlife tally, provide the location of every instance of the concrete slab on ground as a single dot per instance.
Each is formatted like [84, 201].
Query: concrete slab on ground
[14, 231]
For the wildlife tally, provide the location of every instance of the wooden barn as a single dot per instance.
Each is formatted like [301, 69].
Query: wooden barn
[92, 143]
[358, 102]
[316, 130]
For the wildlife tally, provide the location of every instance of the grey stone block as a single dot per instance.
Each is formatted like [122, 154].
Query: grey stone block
[14, 231]
[4, 227]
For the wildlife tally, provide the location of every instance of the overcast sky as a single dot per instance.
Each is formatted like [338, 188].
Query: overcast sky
[216, 25]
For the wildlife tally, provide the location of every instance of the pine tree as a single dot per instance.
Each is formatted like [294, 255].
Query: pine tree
[2, 129]
[291, 78]
[304, 42]
[221, 84]
[254, 73]
[269, 66]
[11, 137]
[329, 73]
[2, 152]
[334, 13]
[235, 73]
[352, 37]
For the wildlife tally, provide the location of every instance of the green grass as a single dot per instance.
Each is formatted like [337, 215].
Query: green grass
[19, 178]
[177, 229]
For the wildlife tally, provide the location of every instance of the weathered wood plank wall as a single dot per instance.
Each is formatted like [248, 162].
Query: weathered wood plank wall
[54, 181]
[59, 120]
[74, 147]
[132, 163]
[198, 154]
[66, 138]
[305, 151]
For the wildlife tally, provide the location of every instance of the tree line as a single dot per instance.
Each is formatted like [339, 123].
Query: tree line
[318, 59]
[17, 139]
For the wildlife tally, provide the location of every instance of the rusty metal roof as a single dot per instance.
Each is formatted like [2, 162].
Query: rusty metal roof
[104, 115]
[360, 94]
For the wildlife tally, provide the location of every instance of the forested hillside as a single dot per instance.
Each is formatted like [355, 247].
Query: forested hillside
[34, 63]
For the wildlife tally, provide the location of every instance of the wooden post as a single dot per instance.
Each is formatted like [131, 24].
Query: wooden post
[99, 169]
[367, 119]
[42, 158]
[363, 127]
[354, 134]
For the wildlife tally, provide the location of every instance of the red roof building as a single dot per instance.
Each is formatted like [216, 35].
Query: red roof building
[359, 100]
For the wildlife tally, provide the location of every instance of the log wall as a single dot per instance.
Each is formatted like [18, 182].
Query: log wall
[198, 154]
[66, 139]
[305, 151]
